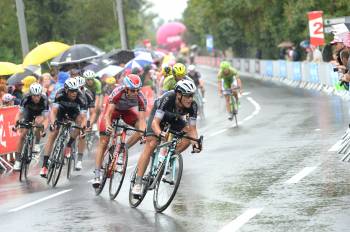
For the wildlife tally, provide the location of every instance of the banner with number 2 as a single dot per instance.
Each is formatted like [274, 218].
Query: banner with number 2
[316, 28]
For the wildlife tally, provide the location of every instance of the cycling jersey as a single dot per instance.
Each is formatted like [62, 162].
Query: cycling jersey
[169, 82]
[89, 97]
[165, 109]
[96, 88]
[30, 110]
[123, 102]
[67, 107]
[195, 76]
[228, 79]
[124, 107]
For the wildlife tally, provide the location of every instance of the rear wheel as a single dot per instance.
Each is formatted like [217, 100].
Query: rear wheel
[105, 164]
[134, 200]
[168, 183]
[118, 173]
[70, 166]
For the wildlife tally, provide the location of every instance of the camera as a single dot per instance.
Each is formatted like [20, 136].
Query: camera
[335, 69]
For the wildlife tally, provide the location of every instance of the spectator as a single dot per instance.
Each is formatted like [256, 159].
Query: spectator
[3, 91]
[316, 54]
[61, 78]
[17, 92]
[339, 46]
[27, 81]
[7, 100]
[45, 81]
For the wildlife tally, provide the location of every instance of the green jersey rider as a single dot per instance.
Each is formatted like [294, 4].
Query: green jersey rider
[228, 83]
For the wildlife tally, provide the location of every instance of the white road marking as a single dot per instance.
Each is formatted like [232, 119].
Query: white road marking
[40, 200]
[318, 129]
[241, 220]
[252, 115]
[306, 171]
[335, 146]
[246, 93]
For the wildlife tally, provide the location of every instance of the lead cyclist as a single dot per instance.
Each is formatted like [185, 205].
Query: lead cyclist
[228, 83]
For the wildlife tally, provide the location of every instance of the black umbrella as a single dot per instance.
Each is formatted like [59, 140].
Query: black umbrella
[120, 56]
[77, 54]
[28, 71]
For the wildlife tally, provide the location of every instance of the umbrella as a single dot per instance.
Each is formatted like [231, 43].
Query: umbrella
[7, 68]
[120, 56]
[99, 64]
[139, 51]
[77, 53]
[285, 44]
[142, 60]
[44, 52]
[31, 70]
[110, 70]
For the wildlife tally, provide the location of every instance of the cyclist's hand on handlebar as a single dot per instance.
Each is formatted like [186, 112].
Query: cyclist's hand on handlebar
[163, 136]
[52, 127]
[196, 148]
[109, 129]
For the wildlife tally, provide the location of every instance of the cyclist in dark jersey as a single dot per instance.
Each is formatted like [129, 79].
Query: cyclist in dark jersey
[69, 104]
[172, 108]
[34, 106]
[196, 77]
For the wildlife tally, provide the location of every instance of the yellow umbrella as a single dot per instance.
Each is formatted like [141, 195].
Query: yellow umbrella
[44, 52]
[7, 68]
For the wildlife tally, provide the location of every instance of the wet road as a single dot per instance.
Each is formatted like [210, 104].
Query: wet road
[273, 173]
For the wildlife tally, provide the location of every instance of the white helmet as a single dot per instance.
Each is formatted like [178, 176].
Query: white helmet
[71, 84]
[89, 74]
[185, 87]
[80, 80]
[35, 89]
[191, 67]
[7, 98]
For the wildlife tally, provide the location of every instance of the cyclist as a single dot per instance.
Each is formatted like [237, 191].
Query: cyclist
[121, 102]
[178, 73]
[196, 77]
[34, 106]
[69, 104]
[166, 71]
[95, 86]
[228, 83]
[180, 102]
[90, 104]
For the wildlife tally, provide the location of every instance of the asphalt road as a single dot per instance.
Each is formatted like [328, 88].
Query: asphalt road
[273, 173]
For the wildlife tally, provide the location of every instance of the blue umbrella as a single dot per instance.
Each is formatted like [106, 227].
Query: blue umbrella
[143, 59]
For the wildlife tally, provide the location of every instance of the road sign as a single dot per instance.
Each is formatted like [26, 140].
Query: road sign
[210, 43]
[316, 28]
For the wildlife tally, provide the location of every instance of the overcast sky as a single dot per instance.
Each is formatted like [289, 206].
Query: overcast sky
[168, 9]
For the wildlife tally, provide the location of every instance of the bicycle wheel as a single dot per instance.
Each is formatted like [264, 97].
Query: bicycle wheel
[168, 184]
[118, 173]
[59, 162]
[24, 163]
[105, 164]
[135, 201]
[70, 166]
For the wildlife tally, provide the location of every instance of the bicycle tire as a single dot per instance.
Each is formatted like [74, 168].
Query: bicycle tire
[105, 165]
[59, 159]
[70, 166]
[113, 195]
[23, 170]
[160, 208]
[136, 201]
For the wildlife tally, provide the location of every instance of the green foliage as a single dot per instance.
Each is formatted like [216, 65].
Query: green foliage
[248, 25]
[74, 21]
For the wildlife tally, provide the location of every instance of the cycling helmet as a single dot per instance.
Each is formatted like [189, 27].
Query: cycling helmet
[80, 80]
[71, 84]
[7, 98]
[35, 89]
[132, 81]
[191, 67]
[225, 65]
[89, 74]
[179, 70]
[185, 87]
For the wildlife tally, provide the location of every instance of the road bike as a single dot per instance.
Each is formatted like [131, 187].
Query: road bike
[115, 159]
[163, 175]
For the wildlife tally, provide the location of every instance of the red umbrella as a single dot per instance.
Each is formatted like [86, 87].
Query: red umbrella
[169, 35]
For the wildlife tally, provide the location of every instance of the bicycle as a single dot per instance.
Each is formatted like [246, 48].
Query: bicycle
[27, 149]
[162, 173]
[115, 159]
[56, 160]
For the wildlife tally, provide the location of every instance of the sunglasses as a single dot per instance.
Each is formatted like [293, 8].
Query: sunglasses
[188, 95]
[134, 90]
[73, 90]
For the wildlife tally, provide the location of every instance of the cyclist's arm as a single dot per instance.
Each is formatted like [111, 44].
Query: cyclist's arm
[192, 132]
[108, 116]
[142, 120]
[53, 112]
[92, 114]
[156, 126]
[19, 115]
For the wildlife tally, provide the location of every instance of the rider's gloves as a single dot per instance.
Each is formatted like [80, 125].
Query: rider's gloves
[196, 148]
[109, 129]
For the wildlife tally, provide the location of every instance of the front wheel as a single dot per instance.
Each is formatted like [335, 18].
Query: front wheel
[105, 164]
[118, 173]
[168, 183]
[24, 163]
[135, 201]
[59, 162]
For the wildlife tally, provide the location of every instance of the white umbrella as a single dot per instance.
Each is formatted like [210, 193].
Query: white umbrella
[110, 70]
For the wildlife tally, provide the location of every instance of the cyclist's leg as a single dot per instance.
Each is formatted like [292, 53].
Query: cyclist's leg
[227, 100]
[81, 147]
[130, 117]
[39, 122]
